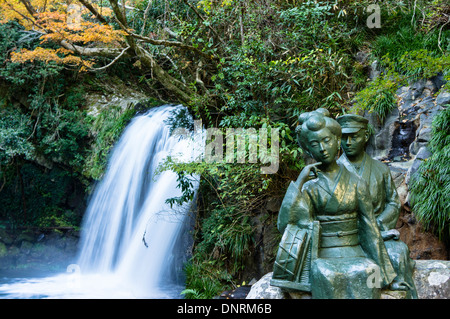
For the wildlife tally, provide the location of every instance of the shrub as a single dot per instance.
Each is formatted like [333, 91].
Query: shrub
[430, 185]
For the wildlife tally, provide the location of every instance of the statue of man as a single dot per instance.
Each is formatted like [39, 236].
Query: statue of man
[384, 197]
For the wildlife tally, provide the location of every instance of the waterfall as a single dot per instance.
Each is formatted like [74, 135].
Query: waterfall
[132, 243]
[128, 228]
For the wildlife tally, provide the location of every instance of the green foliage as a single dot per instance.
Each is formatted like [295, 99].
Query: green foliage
[106, 128]
[430, 185]
[36, 196]
[230, 194]
[14, 132]
[408, 49]
[379, 95]
[206, 277]
[43, 136]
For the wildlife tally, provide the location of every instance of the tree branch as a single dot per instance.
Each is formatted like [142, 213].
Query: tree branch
[112, 62]
[146, 15]
[203, 19]
[29, 7]
[94, 11]
[120, 15]
[24, 16]
[91, 52]
[166, 43]
[171, 84]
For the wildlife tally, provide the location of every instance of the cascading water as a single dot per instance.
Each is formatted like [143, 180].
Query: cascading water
[133, 244]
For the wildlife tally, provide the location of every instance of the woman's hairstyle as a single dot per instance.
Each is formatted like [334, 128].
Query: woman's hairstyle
[315, 121]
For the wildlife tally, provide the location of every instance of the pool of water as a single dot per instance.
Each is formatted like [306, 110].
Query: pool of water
[30, 285]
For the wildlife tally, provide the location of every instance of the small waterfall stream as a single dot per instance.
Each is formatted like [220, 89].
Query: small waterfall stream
[133, 244]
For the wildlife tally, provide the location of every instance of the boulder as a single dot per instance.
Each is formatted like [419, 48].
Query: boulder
[263, 290]
[431, 277]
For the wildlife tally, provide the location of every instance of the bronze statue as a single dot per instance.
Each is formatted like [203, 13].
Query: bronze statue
[331, 245]
[385, 200]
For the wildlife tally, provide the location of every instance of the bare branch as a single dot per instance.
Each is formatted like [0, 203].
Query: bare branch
[29, 7]
[112, 62]
[146, 15]
[171, 84]
[440, 31]
[129, 7]
[120, 15]
[91, 52]
[94, 11]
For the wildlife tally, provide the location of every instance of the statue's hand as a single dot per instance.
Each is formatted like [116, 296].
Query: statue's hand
[390, 234]
[305, 174]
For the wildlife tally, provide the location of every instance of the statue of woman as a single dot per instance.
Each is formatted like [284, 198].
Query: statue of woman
[331, 245]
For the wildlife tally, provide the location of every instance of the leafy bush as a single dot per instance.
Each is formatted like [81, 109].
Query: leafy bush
[430, 185]
[43, 136]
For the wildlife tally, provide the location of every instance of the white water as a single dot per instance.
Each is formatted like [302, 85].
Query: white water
[133, 245]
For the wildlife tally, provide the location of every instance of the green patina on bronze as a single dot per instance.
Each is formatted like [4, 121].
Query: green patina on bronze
[385, 200]
[331, 244]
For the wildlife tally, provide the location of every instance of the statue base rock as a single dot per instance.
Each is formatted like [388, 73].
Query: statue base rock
[431, 277]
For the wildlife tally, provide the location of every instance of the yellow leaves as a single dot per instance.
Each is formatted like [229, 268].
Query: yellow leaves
[14, 10]
[83, 32]
[60, 21]
[207, 5]
[59, 56]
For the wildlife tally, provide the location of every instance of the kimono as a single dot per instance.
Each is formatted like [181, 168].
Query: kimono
[385, 200]
[386, 204]
[350, 248]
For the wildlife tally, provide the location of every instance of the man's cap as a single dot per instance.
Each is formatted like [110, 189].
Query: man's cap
[352, 123]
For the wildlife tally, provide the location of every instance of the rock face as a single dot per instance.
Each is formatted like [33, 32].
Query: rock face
[401, 142]
[431, 277]
[51, 249]
[114, 92]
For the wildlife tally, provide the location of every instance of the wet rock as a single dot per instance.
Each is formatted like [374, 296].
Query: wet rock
[422, 154]
[380, 143]
[5, 237]
[25, 247]
[238, 293]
